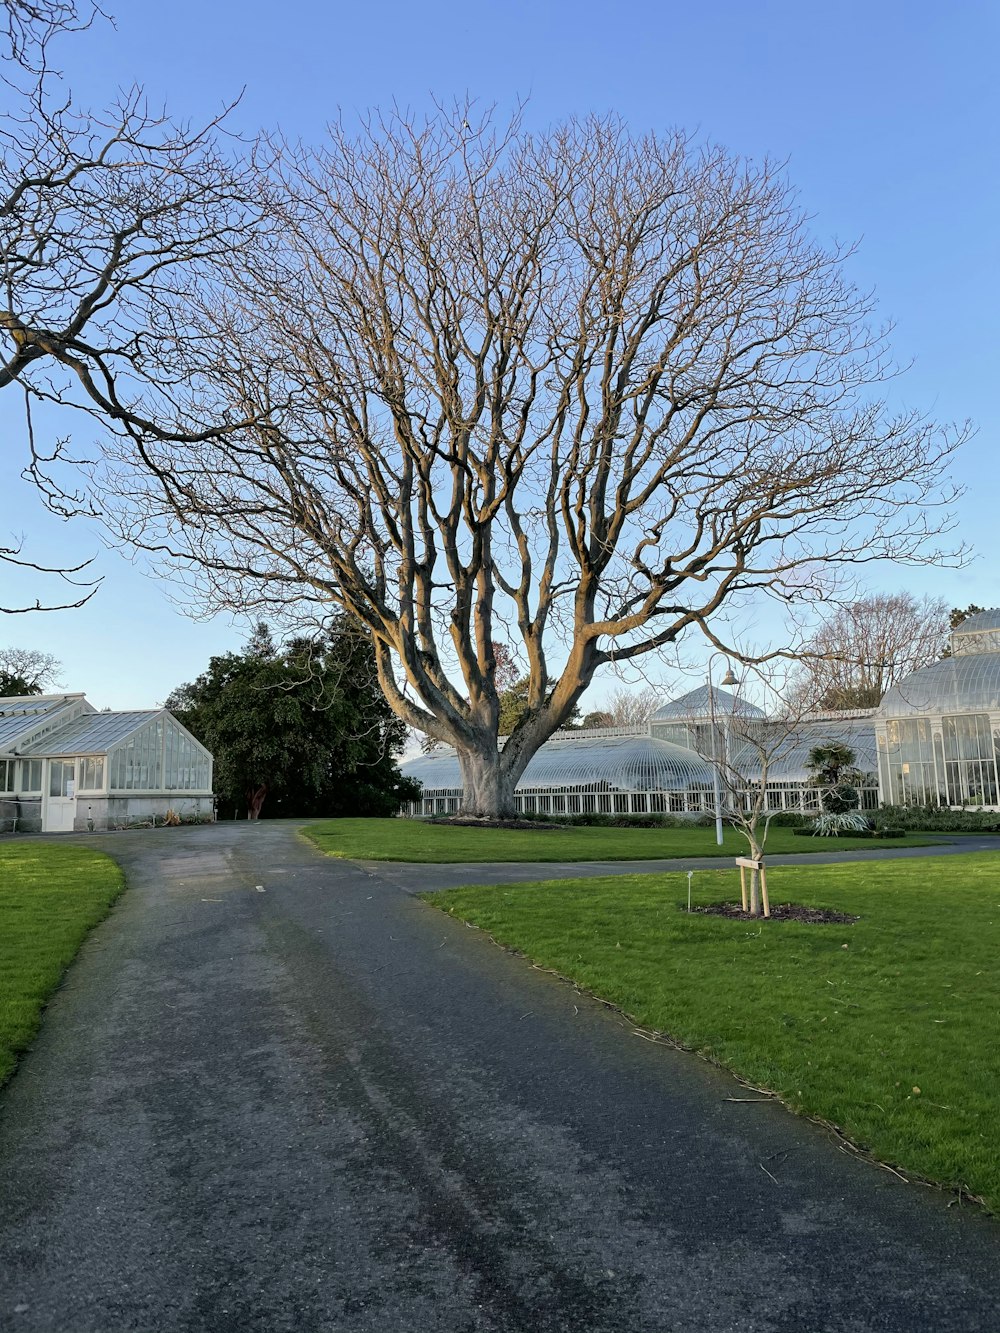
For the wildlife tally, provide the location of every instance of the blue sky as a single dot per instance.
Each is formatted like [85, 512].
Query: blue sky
[886, 112]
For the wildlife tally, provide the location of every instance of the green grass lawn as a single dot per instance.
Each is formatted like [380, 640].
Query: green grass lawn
[50, 897]
[893, 1039]
[416, 841]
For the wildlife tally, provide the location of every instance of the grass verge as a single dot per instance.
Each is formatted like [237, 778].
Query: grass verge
[415, 841]
[51, 896]
[891, 1039]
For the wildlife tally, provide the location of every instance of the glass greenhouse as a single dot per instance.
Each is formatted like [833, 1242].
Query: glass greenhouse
[65, 766]
[938, 731]
[663, 769]
[599, 771]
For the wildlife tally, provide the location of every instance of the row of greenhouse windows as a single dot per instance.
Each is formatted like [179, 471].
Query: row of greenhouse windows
[86, 774]
[957, 765]
[157, 759]
[780, 797]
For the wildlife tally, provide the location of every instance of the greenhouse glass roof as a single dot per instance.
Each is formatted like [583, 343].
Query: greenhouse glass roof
[96, 733]
[962, 684]
[980, 621]
[789, 758]
[697, 704]
[20, 714]
[606, 763]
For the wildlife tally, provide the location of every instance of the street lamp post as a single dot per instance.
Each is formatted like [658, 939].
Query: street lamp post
[727, 679]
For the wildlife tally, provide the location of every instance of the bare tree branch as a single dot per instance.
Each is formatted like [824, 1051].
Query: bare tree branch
[109, 223]
[30, 25]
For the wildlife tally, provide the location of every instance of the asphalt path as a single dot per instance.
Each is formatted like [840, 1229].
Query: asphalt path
[276, 1092]
[416, 878]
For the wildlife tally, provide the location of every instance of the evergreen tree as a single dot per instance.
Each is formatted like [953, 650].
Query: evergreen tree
[303, 727]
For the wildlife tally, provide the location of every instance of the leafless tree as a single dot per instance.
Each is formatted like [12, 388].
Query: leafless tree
[31, 670]
[632, 708]
[868, 645]
[108, 222]
[585, 386]
[748, 752]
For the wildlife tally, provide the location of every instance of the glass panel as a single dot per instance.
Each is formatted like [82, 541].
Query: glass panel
[61, 776]
[91, 774]
[970, 761]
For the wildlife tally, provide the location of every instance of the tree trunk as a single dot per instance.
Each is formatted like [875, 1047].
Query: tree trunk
[255, 800]
[756, 854]
[487, 791]
[754, 904]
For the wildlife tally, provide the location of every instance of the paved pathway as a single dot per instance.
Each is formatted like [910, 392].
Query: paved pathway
[277, 1093]
[424, 878]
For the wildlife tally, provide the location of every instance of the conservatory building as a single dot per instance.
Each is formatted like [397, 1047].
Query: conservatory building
[666, 767]
[938, 730]
[64, 766]
[604, 770]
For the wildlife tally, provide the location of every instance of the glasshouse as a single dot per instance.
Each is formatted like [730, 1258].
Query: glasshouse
[64, 766]
[938, 730]
[666, 767]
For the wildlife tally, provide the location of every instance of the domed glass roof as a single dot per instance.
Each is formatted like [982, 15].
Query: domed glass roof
[968, 683]
[979, 634]
[980, 621]
[697, 704]
[605, 763]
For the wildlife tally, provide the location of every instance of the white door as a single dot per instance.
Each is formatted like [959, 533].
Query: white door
[60, 800]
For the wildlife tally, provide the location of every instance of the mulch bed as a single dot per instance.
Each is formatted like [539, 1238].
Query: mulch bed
[780, 912]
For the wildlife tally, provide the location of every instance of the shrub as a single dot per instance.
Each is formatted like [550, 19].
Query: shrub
[810, 832]
[603, 820]
[841, 800]
[938, 819]
[832, 825]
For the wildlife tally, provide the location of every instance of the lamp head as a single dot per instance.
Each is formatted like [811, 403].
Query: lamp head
[729, 678]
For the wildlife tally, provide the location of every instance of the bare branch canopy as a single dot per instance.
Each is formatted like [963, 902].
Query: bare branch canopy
[574, 391]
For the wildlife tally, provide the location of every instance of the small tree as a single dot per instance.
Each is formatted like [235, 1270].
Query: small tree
[514, 705]
[632, 708]
[597, 719]
[832, 767]
[745, 751]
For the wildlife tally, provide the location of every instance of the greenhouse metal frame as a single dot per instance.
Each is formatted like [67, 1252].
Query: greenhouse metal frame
[64, 766]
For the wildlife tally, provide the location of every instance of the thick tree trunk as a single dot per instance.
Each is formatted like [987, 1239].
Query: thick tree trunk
[255, 800]
[487, 791]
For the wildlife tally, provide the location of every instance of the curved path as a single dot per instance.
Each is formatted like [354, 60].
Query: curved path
[414, 878]
[277, 1093]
